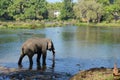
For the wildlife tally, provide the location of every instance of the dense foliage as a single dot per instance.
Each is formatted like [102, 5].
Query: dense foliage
[97, 10]
[67, 10]
[82, 10]
[23, 9]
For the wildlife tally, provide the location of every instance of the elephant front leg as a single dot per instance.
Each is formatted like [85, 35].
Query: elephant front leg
[38, 61]
[31, 62]
[44, 59]
[20, 60]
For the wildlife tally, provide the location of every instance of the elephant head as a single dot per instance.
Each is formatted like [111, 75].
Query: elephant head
[50, 45]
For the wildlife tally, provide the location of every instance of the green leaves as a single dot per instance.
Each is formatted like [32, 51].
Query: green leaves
[112, 11]
[4, 4]
[89, 10]
[67, 10]
[23, 9]
[96, 10]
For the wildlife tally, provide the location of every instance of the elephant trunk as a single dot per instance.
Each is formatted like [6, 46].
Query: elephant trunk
[53, 65]
[53, 51]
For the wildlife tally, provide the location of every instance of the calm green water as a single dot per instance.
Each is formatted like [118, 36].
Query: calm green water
[77, 48]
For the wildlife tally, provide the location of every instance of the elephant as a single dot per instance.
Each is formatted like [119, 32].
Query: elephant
[37, 46]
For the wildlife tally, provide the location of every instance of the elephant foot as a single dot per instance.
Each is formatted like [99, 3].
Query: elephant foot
[44, 67]
[38, 67]
[44, 64]
[20, 66]
[30, 68]
[53, 65]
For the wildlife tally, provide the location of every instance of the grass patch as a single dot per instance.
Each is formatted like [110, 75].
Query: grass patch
[99, 24]
[21, 25]
[32, 24]
[95, 74]
[43, 24]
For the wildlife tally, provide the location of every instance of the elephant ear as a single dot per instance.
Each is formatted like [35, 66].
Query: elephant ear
[49, 45]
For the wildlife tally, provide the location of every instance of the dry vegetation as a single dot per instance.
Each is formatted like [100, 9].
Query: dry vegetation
[96, 74]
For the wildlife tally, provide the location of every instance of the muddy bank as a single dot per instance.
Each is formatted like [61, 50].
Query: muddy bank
[49, 74]
[96, 74]
[24, 74]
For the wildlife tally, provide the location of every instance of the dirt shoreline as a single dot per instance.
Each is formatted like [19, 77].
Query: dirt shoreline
[24, 74]
[96, 74]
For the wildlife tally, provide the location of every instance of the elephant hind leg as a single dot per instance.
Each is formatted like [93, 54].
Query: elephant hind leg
[31, 62]
[38, 61]
[20, 60]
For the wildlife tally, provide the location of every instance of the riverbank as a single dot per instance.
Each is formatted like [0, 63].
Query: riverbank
[91, 74]
[33, 24]
[42, 24]
[99, 24]
[24, 74]
[96, 74]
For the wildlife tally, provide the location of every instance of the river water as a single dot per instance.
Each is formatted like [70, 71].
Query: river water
[77, 48]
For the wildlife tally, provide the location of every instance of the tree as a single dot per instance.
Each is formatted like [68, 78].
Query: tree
[111, 9]
[89, 10]
[52, 7]
[4, 4]
[41, 9]
[28, 9]
[67, 10]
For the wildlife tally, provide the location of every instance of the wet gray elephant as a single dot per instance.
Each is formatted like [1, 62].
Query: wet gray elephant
[37, 46]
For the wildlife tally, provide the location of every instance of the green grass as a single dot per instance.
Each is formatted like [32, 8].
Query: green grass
[42, 24]
[99, 24]
[32, 24]
[21, 25]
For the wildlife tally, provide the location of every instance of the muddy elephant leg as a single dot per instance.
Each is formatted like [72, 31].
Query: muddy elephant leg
[38, 61]
[31, 62]
[20, 60]
[44, 59]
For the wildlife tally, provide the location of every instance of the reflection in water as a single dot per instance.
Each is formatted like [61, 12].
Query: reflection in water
[84, 46]
[99, 35]
[44, 67]
[98, 40]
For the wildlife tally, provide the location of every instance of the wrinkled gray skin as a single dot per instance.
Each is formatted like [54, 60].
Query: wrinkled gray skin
[37, 46]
